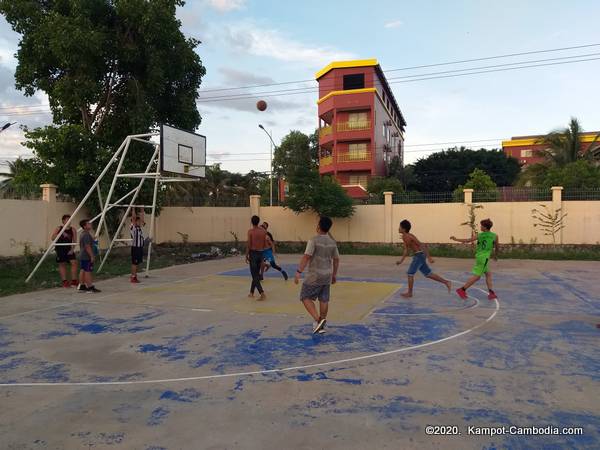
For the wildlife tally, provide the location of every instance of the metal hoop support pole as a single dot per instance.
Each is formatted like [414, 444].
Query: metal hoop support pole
[112, 185]
[132, 202]
[151, 233]
[68, 223]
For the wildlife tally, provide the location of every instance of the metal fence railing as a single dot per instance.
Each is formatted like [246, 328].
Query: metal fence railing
[580, 194]
[513, 194]
[427, 197]
[10, 193]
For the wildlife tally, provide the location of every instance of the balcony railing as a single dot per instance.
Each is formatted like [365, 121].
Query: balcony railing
[354, 126]
[326, 161]
[325, 131]
[354, 156]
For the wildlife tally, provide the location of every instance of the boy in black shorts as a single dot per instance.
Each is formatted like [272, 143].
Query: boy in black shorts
[137, 243]
[65, 252]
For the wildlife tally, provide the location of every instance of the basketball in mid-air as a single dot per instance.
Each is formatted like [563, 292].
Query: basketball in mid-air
[261, 105]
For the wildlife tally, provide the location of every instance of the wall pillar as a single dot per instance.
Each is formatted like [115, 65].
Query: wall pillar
[255, 205]
[468, 196]
[49, 192]
[557, 205]
[49, 199]
[388, 226]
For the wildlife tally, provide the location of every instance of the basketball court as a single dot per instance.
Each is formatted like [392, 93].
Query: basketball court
[186, 360]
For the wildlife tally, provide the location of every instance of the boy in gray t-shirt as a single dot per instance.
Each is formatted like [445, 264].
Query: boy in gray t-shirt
[323, 260]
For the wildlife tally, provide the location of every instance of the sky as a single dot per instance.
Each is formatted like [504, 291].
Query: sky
[249, 42]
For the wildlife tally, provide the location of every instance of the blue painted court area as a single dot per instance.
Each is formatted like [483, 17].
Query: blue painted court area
[177, 363]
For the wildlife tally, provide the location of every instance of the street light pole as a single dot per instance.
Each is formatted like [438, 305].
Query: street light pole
[6, 125]
[271, 164]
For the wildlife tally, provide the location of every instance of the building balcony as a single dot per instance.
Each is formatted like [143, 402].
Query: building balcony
[354, 156]
[354, 126]
[325, 131]
[326, 161]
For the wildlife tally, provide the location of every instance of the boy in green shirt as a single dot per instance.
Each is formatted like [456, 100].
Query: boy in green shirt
[487, 247]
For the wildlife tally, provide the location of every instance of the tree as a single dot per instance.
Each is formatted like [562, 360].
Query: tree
[564, 146]
[296, 159]
[482, 184]
[580, 174]
[325, 196]
[109, 68]
[16, 178]
[296, 152]
[378, 185]
[445, 171]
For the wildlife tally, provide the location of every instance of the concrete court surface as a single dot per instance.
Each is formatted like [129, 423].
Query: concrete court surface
[186, 361]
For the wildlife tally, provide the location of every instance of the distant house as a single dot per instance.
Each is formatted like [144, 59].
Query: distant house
[527, 148]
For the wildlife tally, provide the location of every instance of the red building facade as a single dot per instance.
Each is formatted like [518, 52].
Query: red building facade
[361, 127]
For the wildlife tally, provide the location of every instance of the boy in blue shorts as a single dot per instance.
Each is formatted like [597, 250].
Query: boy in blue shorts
[487, 247]
[419, 261]
[269, 255]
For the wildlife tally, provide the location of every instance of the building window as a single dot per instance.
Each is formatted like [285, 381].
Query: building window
[362, 180]
[357, 120]
[357, 152]
[526, 153]
[355, 81]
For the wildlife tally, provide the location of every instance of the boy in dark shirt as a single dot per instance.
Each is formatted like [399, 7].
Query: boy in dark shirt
[65, 252]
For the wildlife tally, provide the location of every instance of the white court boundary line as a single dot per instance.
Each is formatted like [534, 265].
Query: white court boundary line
[267, 371]
[94, 299]
[449, 311]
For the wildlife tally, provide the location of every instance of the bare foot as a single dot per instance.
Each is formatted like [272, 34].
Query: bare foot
[250, 295]
[263, 296]
[449, 286]
[406, 294]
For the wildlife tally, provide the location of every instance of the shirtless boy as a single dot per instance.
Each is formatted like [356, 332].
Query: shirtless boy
[419, 262]
[257, 243]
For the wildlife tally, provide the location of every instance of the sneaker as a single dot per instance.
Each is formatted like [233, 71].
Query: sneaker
[462, 293]
[66, 284]
[74, 283]
[82, 288]
[323, 330]
[134, 279]
[285, 275]
[492, 295]
[93, 290]
[319, 326]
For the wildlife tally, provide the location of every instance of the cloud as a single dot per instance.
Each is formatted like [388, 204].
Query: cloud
[393, 24]
[236, 77]
[259, 41]
[226, 5]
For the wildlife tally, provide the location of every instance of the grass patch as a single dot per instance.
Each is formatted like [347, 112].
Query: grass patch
[13, 271]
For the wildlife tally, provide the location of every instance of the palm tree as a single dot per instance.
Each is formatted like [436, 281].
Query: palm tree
[564, 146]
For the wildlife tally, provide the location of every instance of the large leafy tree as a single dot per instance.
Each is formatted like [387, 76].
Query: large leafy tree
[296, 159]
[109, 68]
[564, 146]
[446, 170]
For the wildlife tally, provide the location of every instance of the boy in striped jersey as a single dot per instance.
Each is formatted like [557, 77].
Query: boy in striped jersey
[137, 243]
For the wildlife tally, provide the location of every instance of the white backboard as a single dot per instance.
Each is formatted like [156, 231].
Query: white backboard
[182, 152]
